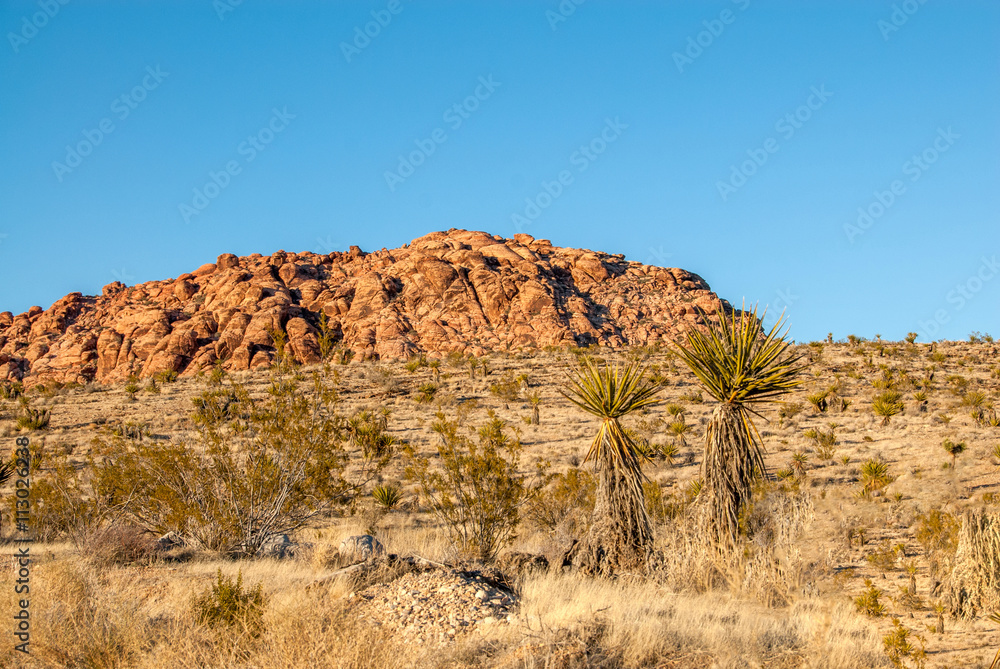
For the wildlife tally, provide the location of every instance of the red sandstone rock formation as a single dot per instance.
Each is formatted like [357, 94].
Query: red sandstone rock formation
[447, 291]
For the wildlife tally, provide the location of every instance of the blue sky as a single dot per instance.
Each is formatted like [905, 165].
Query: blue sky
[735, 139]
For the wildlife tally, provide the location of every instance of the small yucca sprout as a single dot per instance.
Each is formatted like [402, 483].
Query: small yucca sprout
[887, 405]
[953, 449]
[670, 453]
[874, 476]
[386, 496]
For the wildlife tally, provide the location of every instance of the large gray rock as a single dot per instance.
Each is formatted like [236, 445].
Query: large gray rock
[280, 547]
[361, 547]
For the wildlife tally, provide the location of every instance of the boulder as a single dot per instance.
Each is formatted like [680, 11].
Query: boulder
[361, 547]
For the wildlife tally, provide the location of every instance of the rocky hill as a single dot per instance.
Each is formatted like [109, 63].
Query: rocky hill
[460, 290]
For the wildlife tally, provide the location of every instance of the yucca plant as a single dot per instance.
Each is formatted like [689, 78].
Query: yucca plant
[954, 449]
[34, 419]
[886, 405]
[742, 367]
[620, 534]
[6, 472]
[874, 476]
[995, 617]
[678, 429]
[386, 496]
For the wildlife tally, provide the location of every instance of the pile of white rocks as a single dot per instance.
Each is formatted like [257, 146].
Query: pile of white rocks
[436, 606]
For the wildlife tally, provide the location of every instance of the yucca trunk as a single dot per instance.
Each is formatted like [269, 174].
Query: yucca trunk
[620, 536]
[733, 461]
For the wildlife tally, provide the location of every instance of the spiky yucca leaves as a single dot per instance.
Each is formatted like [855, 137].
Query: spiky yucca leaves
[620, 535]
[742, 367]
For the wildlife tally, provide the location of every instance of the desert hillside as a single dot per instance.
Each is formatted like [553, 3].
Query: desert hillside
[853, 549]
[457, 291]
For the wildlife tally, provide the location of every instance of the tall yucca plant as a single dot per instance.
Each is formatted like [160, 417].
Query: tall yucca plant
[742, 367]
[620, 534]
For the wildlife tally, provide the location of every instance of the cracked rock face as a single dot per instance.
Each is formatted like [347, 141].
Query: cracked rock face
[463, 291]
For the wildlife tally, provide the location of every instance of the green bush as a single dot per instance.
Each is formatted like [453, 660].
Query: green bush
[566, 501]
[259, 467]
[477, 491]
[425, 393]
[507, 388]
[227, 603]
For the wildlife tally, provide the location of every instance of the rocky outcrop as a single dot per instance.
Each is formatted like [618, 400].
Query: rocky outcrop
[460, 290]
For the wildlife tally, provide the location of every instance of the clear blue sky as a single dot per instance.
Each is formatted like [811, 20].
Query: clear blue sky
[330, 122]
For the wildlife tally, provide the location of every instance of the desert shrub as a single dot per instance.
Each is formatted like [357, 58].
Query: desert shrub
[61, 507]
[869, 602]
[425, 393]
[937, 531]
[477, 490]
[117, 545]
[228, 603]
[34, 419]
[567, 502]
[884, 557]
[166, 376]
[818, 400]
[507, 387]
[658, 507]
[789, 410]
[11, 390]
[413, 364]
[263, 470]
[824, 442]
[898, 647]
